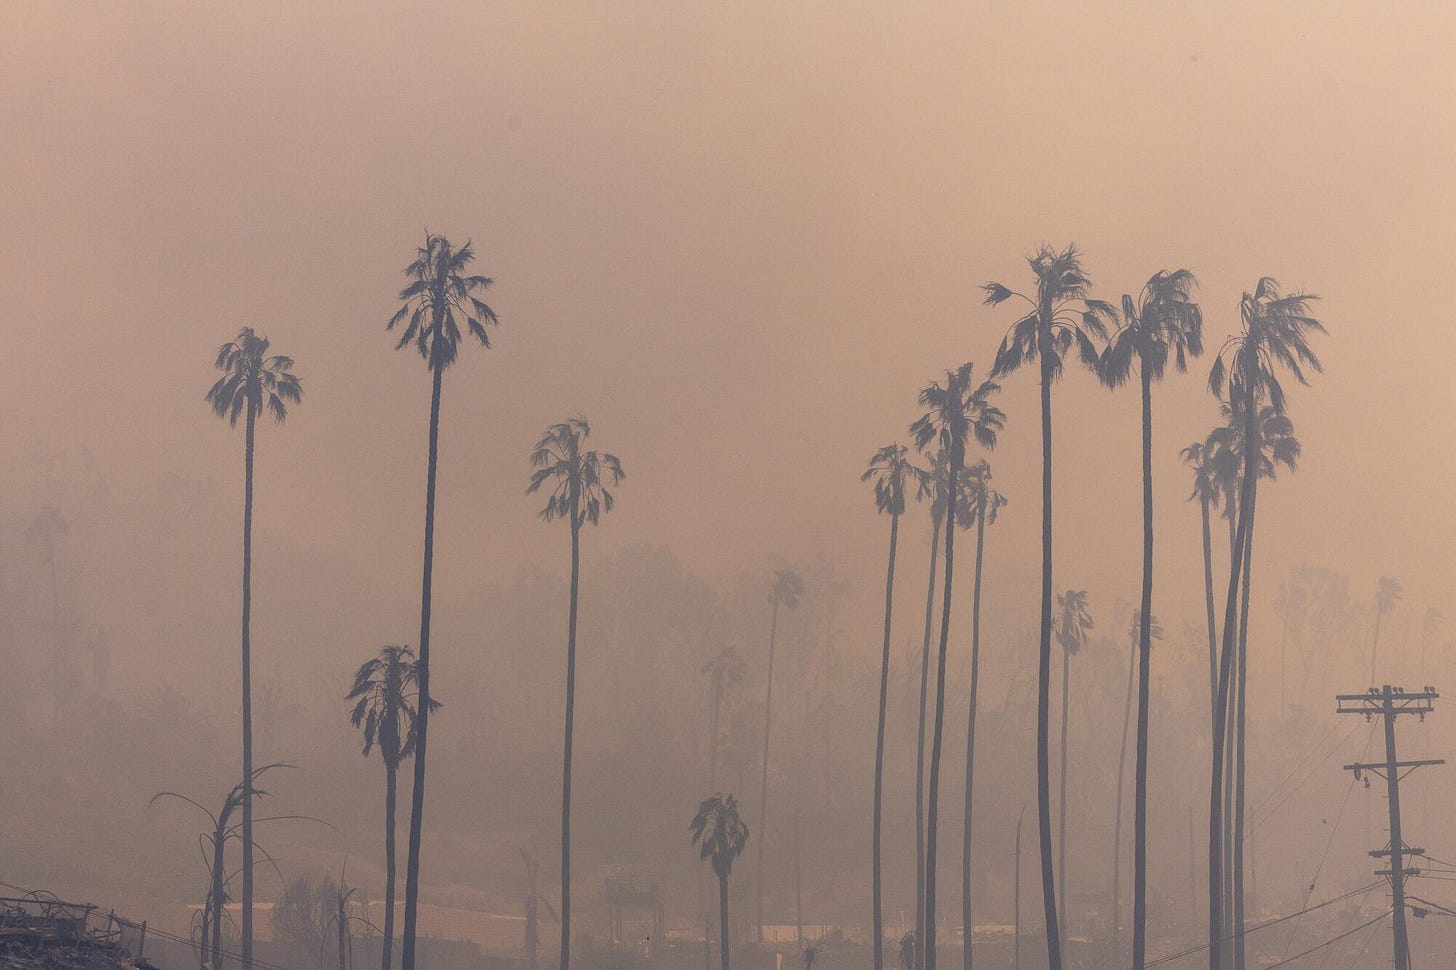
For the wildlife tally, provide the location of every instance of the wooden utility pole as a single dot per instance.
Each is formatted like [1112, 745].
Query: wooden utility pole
[1389, 703]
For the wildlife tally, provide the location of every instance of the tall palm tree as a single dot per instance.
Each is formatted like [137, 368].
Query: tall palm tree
[1155, 633]
[438, 298]
[893, 475]
[384, 693]
[722, 835]
[1074, 623]
[939, 462]
[1275, 333]
[725, 671]
[1387, 593]
[956, 412]
[787, 587]
[985, 503]
[1195, 456]
[580, 492]
[1059, 315]
[1162, 322]
[252, 380]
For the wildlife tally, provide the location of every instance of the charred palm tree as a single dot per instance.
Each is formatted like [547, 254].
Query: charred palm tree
[580, 492]
[1162, 323]
[1059, 315]
[722, 835]
[787, 587]
[252, 381]
[893, 474]
[1074, 623]
[385, 692]
[439, 298]
[1275, 334]
[985, 503]
[955, 413]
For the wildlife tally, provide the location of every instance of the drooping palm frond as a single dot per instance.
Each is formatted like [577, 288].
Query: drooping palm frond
[1059, 316]
[438, 298]
[980, 493]
[958, 411]
[787, 587]
[253, 381]
[1163, 321]
[894, 477]
[1075, 620]
[719, 832]
[579, 479]
[385, 694]
[1275, 334]
[1387, 593]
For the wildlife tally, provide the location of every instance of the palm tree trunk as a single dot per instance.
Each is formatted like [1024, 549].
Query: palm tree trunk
[391, 791]
[247, 941]
[1117, 814]
[966, 843]
[1230, 768]
[1145, 653]
[879, 932]
[773, 635]
[1375, 644]
[1208, 596]
[1062, 797]
[215, 900]
[723, 919]
[1043, 673]
[920, 750]
[932, 810]
[422, 678]
[565, 963]
[1225, 663]
[1240, 777]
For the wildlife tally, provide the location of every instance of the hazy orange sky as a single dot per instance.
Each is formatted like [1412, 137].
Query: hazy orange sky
[738, 238]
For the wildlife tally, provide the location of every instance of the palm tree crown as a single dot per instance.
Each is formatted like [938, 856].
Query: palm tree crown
[979, 493]
[580, 479]
[385, 693]
[721, 833]
[957, 412]
[891, 472]
[1075, 621]
[788, 586]
[253, 379]
[1388, 593]
[1163, 320]
[438, 297]
[1052, 323]
[1276, 330]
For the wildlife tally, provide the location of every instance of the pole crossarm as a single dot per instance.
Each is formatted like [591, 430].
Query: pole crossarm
[1372, 702]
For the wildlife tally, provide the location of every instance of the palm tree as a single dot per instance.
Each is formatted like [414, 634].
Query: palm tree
[1275, 332]
[725, 671]
[534, 900]
[1156, 633]
[1387, 593]
[891, 472]
[722, 835]
[985, 502]
[1059, 316]
[956, 411]
[1162, 322]
[1074, 622]
[787, 587]
[384, 693]
[580, 492]
[46, 526]
[1205, 490]
[251, 381]
[437, 300]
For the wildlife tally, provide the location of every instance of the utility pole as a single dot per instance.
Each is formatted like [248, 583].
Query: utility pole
[1389, 703]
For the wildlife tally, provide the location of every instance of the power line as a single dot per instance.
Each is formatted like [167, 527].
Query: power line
[1333, 939]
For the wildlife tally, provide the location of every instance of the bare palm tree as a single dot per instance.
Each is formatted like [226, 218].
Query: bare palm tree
[252, 380]
[580, 492]
[956, 412]
[893, 474]
[722, 835]
[787, 587]
[385, 692]
[439, 297]
[1074, 623]
[1059, 316]
[985, 503]
[1275, 334]
[1162, 323]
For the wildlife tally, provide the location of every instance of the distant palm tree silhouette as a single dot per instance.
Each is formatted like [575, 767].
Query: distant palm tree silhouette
[252, 380]
[385, 692]
[534, 900]
[1163, 322]
[787, 587]
[1059, 315]
[1074, 623]
[1275, 334]
[985, 503]
[436, 301]
[1387, 593]
[580, 492]
[955, 412]
[894, 476]
[722, 835]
